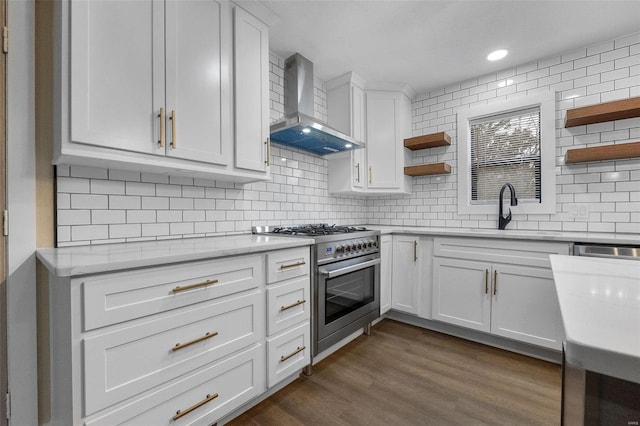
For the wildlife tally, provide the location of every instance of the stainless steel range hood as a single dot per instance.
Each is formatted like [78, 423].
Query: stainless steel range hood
[299, 128]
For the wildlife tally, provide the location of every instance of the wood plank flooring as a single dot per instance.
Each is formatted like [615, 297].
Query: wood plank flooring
[405, 375]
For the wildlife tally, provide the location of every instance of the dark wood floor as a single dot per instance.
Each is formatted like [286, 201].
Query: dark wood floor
[405, 375]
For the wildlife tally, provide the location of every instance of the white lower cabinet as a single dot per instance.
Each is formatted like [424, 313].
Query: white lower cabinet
[411, 274]
[288, 314]
[183, 344]
[386, 272]
[512, 296]
[287, 353]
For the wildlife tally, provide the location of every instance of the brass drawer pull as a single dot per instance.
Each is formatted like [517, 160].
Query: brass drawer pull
[495, 282]
[293, 265]
[370, 174]
[189, 287]
[161, 116]
[358, 170]
[293, 305]
[268, 160]
[486, 281]
[181, 413]
[415, 251]
[297, 351]
[199, 339]
[174, 142]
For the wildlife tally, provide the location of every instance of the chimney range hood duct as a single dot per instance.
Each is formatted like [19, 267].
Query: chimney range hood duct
[299, 128]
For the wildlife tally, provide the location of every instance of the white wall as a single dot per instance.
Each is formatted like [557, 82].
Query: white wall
[100, 205]
[608, 191]
[21, 288]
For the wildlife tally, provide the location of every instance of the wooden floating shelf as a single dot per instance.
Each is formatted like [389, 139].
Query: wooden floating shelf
[428, 141]
[428, 169]
[600, 153]
[609, 111]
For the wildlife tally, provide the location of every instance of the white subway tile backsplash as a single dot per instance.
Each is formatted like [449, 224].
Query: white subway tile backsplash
[99, 206]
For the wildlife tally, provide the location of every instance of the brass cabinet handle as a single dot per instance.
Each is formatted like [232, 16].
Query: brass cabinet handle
[415, 251]
[174, 142]
[297, 351]
[189, 287]
[358, 172]
[293, 265]
[495, 281]
[293, 305]
[181, 413]
[208, 335]
[486, 281]
[370, 174]
[162, 123]
[268, 160]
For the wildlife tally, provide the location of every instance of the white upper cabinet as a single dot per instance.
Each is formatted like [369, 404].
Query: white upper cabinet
[198, 83]
[381, 119]
[251, 70]
[148, 85]
[117, 76]
[388, 123]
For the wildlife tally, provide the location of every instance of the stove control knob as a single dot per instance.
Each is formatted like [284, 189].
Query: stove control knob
[339, 249]
[375, 244]
[359, 246]
[347, 249]
[353, 247]
[370, 244]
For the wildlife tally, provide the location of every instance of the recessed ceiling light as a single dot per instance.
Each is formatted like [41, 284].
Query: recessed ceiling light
[348, 145]
[497, 54]
[505, 83]
[306, 130]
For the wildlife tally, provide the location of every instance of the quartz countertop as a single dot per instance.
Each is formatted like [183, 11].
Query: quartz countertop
[600, 307]
[514, 234]
[81, 260]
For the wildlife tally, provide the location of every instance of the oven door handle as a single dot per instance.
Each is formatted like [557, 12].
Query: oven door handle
[346, 270]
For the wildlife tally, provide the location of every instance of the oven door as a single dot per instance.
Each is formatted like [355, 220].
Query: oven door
[347, 291]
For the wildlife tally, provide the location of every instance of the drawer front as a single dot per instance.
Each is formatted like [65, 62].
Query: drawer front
[130, 360]
[287, 304]
[235, 380]
[113, 298]
[285, 264]
[518, 252]
[287, 353]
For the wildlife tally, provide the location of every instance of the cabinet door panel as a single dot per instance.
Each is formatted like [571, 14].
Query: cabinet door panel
[462, 293]
[386, 269]
[406, 274]
[198, 80]
[382, 153]
[251, 62]
[525, 306]
[117, 73]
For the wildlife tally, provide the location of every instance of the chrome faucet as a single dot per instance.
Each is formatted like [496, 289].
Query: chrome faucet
[502, 221]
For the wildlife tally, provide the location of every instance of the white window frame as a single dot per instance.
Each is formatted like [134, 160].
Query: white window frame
[546, 102]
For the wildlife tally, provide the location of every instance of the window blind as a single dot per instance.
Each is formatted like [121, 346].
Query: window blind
[506, 148]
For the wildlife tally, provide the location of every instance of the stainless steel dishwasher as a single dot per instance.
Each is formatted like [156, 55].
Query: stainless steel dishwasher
[607, 250]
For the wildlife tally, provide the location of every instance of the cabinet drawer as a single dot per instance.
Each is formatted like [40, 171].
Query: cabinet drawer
[287, 353]
[235, 380]
[287, 304]
[519, 252]
[285, 264]
[113, 298]
[132, 359]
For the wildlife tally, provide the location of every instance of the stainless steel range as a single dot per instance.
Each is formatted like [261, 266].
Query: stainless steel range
[345, 279]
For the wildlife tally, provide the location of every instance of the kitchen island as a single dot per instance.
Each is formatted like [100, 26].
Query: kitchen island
[600, 308]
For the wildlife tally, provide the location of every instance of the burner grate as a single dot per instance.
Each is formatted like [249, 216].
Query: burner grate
[317, 230]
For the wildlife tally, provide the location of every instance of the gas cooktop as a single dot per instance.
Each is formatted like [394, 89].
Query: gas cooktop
[311, 230]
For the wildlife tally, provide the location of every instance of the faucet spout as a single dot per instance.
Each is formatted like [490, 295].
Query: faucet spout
[503, 221]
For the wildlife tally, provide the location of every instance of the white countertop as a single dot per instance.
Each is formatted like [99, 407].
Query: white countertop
[80, 260]
[600, 307]
[514, 234]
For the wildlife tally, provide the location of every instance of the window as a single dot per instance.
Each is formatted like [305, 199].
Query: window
[511, 141]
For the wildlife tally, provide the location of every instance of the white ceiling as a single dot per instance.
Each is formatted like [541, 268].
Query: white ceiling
[431, 44]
